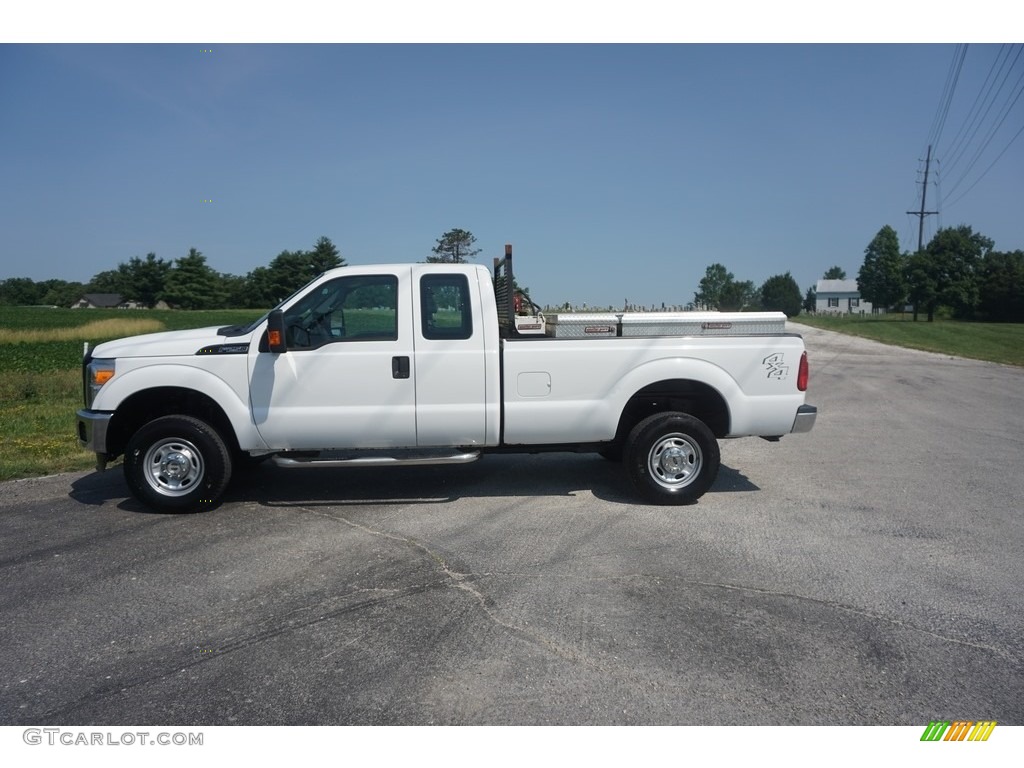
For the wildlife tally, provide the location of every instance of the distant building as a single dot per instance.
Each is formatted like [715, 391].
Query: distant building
[105, 301]
[841, 297]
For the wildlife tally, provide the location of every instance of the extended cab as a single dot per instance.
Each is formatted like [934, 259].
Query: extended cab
[437, 364]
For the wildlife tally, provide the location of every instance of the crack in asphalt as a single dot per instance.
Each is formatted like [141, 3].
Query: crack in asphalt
[1001, 652]
[277, 629]
[452, 577]
[465, 582]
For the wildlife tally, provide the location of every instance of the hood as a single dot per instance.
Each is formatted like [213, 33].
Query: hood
[165, 344]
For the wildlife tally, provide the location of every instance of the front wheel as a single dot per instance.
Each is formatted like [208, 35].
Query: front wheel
[672, 458]
[177, 464]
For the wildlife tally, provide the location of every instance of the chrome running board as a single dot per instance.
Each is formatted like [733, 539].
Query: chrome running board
[333, 459]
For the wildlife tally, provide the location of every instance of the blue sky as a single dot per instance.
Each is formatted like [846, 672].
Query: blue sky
[617, 171]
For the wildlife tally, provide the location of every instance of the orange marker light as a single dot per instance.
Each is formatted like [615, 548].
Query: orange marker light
[101, 377]
[274, 338]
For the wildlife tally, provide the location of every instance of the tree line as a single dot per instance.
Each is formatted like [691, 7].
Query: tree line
[720, 290]
[958, 271]
[186, 283]
[190, 283]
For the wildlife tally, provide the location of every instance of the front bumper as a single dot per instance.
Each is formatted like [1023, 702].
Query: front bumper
[805, 417]
[92, 430]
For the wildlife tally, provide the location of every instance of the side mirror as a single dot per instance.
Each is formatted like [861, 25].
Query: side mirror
[275, 332]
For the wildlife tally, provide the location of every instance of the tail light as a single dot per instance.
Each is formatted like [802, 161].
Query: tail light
[804, 374]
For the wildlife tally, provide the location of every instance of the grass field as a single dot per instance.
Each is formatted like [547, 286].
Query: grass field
[41, 376]
[995, 342]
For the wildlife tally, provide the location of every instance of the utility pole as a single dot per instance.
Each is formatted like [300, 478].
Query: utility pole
[924, 193]
[921, 214]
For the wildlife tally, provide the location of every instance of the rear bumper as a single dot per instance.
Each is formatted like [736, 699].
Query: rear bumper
[805, 417]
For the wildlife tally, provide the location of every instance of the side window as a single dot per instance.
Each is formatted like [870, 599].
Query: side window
[358, 308]
[445, 308]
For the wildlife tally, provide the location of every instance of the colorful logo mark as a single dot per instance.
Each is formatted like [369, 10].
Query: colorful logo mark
[958, 730]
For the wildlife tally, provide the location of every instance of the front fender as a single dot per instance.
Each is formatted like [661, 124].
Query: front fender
[227, 388]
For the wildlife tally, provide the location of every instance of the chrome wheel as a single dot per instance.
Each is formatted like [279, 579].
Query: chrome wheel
[177, 463]
[672, 458]
[674, 461]
[173, 467]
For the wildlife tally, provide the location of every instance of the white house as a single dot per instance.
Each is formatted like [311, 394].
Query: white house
[841, 297]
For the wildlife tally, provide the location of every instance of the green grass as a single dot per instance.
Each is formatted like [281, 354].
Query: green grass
[41, 377]
[37, 423]
[995, 342]
[41, 339]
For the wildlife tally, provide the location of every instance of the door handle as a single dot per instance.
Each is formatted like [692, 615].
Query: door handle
[400, 367]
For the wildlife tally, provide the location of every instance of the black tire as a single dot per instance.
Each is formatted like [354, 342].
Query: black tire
[177, 464]
[672, 458]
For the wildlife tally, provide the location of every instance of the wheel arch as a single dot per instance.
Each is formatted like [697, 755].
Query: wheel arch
[696, 398]
[153, 403]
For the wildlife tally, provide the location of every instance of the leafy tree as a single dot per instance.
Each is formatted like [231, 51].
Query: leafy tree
[192, 284]
[108, 281]
[236, 292]
[712, 286]
[61, 293]
[881, 279]
[454, 247]
[781, 293]
[258, 291]
[738, 296]
[811, 300]
[143, 280]
[1001, 286]
[20, 291]
[287, 272]
[945, 273]
[834, 273]
[290, 270]
[922, 288]
[720, 290]
[324, 256]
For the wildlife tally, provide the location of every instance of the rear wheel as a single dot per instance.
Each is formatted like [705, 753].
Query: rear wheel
[177, 464]
[672, 458]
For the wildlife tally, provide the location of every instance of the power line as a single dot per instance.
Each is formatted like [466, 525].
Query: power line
[1001, 118]
[980, 116]
[983, 173]
[955, 147]
[952, 77]
[992, 106]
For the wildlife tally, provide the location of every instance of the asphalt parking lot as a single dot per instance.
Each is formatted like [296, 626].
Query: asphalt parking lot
[868, 572]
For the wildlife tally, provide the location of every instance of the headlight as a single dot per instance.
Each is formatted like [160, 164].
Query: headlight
[97, 373]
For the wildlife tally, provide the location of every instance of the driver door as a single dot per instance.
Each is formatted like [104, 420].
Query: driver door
[347, 379]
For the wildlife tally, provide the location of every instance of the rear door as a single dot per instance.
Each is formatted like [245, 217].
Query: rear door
[450, 364]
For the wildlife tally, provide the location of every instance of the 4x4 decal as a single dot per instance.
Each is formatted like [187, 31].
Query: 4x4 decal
[777, 369]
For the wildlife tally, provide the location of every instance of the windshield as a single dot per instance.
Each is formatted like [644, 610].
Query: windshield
[245, 330]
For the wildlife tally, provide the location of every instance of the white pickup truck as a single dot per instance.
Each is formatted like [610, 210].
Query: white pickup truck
[436, 364]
